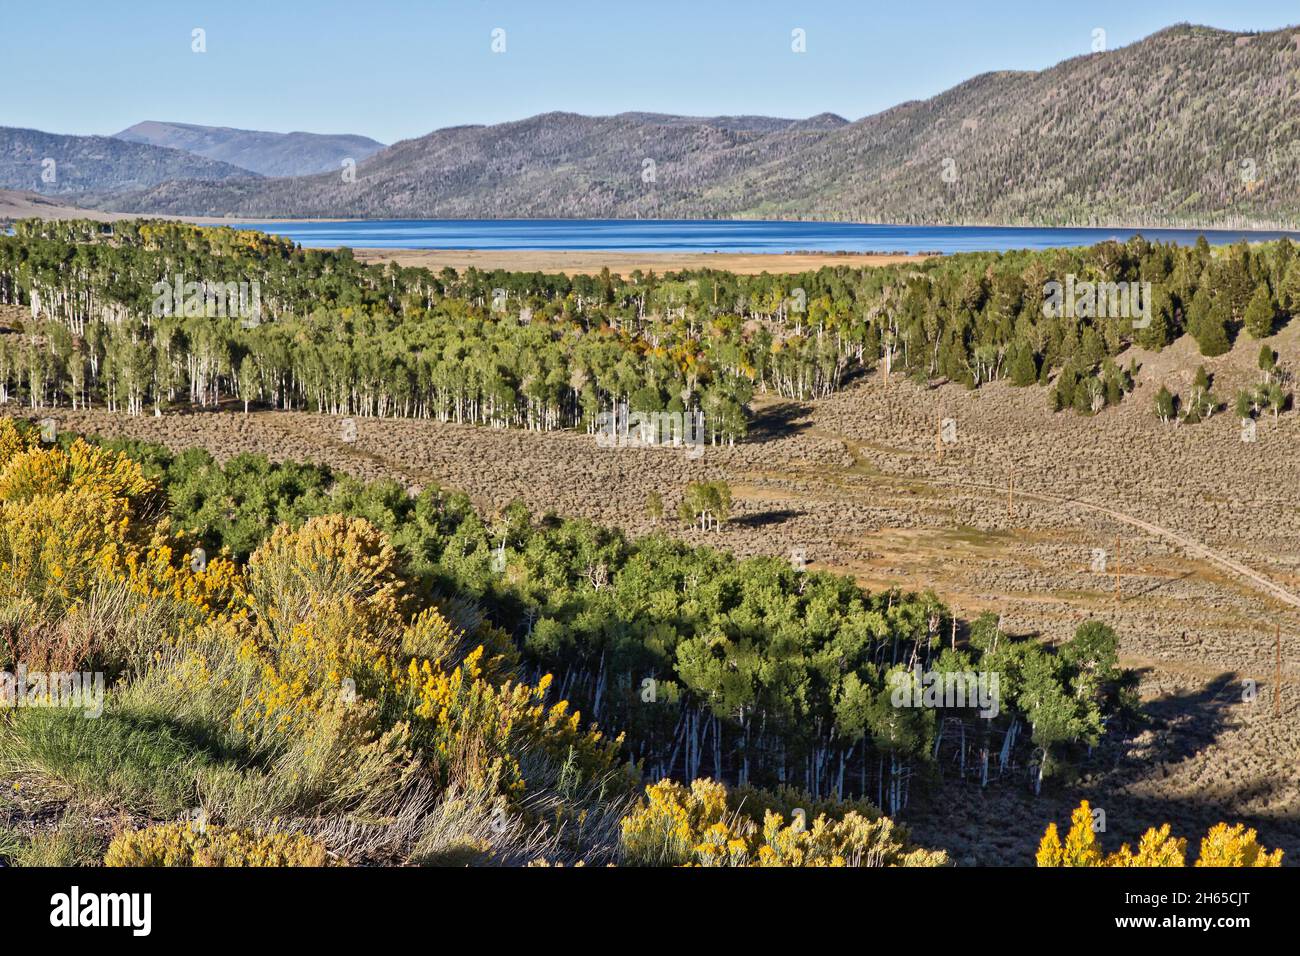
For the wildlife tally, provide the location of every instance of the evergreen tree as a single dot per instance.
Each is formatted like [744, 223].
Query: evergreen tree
[1289, 290]
[1211, 330]
[1259, 313]
[1162, 329]
[1165, 404]
[1021, 367]
[1267, 362]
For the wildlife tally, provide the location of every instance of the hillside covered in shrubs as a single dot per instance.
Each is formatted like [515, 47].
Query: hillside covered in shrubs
[312, 703]
[301, 669]
[405, 698]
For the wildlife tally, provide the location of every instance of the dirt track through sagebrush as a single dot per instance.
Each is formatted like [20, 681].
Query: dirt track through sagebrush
[1186, 543]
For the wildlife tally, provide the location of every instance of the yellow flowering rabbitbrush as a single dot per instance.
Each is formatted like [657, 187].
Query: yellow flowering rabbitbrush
[354, 691]
[1224, 845]
[184, 844]
[705, 826]
[331, 617]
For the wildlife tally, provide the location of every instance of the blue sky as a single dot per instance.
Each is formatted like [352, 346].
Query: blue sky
[393, 69]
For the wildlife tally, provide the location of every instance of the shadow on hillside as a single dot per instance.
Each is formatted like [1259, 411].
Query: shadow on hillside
[1190, 722]
[1003, 827]
[1002, 824]
[779, 421]
[1152, 588]
[766, 519]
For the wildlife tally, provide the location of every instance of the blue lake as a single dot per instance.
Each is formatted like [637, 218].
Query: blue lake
[664, 235]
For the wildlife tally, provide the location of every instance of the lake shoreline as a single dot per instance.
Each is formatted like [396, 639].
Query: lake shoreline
[570, 243]
[593, 261]
[588, 246]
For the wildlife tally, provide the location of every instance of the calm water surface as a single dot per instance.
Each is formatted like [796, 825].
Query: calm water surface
[646, 235]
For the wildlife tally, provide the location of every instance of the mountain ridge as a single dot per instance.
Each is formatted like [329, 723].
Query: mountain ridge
[87, 166]
[266, 153]
[1190, 126]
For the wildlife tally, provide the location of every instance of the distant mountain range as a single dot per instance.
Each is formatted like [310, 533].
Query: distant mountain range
[556, 164]
[89, 169]
[86, 166]
[1192, 126]
[270, 154]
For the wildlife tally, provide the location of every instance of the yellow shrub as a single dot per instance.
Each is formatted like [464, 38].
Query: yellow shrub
[326, 606]
[183, 844]
[335, 652]
[67, 518]
[1235, 846]
[328, 618]
[329, 560]
[471, 727]
[160, 572]
[677, 826]
[1081, 847]
[41, 472]
[1156, 848]
[1050, 852]
[665, 829]
[858, 841]
[53, 547]
[430, 636]
[1223, 846]
[12, 441]
[84, 553]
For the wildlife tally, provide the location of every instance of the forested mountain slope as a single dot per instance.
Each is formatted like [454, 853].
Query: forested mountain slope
[78, 166]
[1190, 126]
[559, 164]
